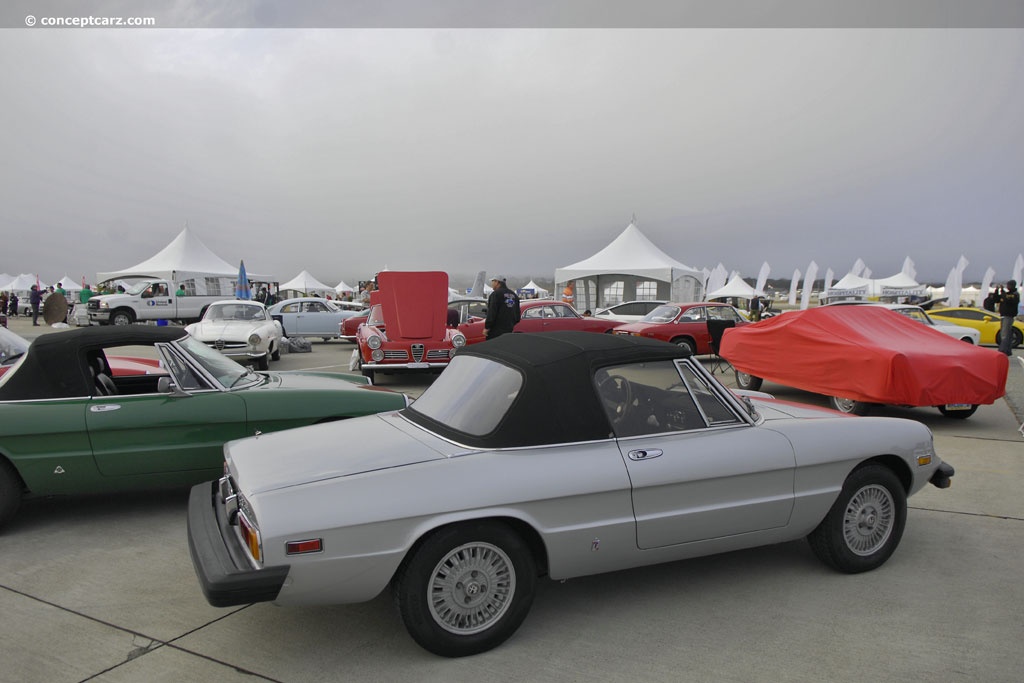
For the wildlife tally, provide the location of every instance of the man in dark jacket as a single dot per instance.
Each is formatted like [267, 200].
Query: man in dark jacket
[502, 309]
[35, 297]
[1009, 304]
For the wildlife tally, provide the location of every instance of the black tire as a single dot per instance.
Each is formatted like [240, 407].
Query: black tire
[958, 414]
[688, 343]
[368, 374]
[10, 492]
[466, 588]
[747, 381]
[849, 406]
[1018, 338]
[865, 524]
[276, 353]
[263, 362]
[122, 316]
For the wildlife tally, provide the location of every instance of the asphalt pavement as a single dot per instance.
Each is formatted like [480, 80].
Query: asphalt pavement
[101, 588]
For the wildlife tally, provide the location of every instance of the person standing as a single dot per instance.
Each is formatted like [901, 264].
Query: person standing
[502, 309]
[85, 294]
[1008, 303]
[35, 297]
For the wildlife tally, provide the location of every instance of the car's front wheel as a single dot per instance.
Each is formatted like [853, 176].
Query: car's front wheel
[865, 524]
[849, 406]
[747, 381]
[263, 362]
[276, 354]
[466, 588]
[121, 317]
[686, 342]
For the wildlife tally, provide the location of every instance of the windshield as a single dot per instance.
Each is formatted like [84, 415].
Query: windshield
[12, 346]
[138, 287]
[235, 311]
[226, 371]
[662, 314]
[471, 396]
[915, 314]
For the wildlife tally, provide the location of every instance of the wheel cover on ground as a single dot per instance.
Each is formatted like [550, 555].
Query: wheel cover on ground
[471, 588]
[869, 520]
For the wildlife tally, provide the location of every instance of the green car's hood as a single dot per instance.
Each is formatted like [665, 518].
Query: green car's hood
[299, 379]
[338, 449]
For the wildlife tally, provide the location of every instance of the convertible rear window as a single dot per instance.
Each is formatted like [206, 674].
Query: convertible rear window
[471, 396]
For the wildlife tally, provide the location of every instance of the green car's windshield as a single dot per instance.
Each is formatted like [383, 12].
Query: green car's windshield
[226, 371]
[11, 346]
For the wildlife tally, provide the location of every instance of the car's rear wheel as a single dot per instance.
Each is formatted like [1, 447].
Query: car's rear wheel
[10, 491]
[849, 406]
[865, 524]
[962, 414]
[688, 343]
[747, 381]
[466, 588]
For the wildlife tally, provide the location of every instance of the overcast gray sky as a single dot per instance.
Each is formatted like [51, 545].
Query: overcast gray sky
[342, 151]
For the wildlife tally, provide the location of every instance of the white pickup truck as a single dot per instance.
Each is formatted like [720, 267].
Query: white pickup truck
[149, 300]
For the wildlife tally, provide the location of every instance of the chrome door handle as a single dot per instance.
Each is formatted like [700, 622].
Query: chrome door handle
[641, 454]
[104, 408]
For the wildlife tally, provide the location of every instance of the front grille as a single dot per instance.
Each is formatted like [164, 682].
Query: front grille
[93, 305]
[396, 354]
[220, 345]
[437, 354]
[417, 353]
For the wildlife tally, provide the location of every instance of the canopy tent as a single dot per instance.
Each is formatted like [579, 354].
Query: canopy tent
[186, 260]
[342, 288]
[734, 288]
[23, 283]
[305, 284]
[538, 291]
[897, 286]
[4, 279]
[630, 267]
[70, 284]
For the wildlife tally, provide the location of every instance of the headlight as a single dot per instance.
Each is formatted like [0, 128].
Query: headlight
[254, 339]
[373, 341]
[377, 355]
[459, 340]
[104, 304]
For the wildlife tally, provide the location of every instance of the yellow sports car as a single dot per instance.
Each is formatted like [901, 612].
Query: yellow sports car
[984, 321]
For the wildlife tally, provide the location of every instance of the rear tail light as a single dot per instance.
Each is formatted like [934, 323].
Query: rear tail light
[312, 545]
[251, 537]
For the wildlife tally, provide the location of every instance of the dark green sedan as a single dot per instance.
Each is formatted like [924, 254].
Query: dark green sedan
[71, 424]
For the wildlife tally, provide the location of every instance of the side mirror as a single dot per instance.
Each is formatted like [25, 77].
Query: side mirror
[164, 385]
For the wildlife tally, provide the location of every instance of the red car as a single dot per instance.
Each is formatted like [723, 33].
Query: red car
[860, 356]
[683, 324]
[407, 327]
[544, 315]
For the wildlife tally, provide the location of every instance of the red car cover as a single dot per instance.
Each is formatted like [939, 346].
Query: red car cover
[866, 354]
[414, 304]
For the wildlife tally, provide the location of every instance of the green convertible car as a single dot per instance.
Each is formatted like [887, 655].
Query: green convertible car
[68, 424]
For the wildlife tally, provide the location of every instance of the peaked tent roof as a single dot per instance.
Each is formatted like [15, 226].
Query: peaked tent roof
[735, 287]
[304, 282]
[540, 291]
[24, 282]
[185, 256]
[631, 253]
[69, 283]
[342, 287]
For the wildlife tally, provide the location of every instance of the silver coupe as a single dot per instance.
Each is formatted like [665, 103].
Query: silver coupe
[551, 455]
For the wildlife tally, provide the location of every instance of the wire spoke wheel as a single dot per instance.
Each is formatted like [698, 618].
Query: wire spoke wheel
[471, 588]
[869, 520]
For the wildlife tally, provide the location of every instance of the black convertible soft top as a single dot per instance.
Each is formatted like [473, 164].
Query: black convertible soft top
[55, 365]
[558, 402]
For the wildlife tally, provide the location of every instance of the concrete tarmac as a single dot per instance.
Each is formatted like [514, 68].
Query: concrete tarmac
[101, 588]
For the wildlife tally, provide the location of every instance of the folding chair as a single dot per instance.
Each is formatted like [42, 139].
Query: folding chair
[716, 328]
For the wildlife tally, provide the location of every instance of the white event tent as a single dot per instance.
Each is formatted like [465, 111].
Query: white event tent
[538, 291]
[856, 287]
[305, 284]
[631, 267]
[189, 262]
[734, 288]
[342, 288]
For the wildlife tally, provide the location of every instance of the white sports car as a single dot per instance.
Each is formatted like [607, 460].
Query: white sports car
[242, 330]
[553, 455]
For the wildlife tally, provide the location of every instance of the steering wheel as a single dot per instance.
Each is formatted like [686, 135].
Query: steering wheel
[617, 396]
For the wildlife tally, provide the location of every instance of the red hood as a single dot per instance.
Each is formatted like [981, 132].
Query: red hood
[414, 304]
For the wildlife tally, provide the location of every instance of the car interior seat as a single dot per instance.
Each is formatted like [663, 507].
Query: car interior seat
[101, 376]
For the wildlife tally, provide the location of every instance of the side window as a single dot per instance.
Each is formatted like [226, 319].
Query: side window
[535, 312]
[647, 398]
[562, 312]
[290, 308]
[715, 411]
[691, 314]
[316, 307]
[184, 376]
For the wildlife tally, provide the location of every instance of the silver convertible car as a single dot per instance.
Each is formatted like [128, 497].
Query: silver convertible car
[553, 455]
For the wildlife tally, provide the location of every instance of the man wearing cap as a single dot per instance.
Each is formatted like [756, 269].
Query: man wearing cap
[502, 309]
